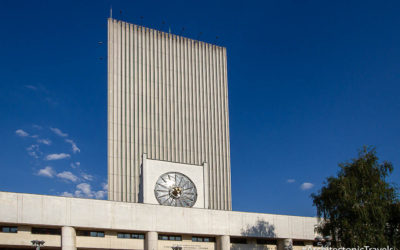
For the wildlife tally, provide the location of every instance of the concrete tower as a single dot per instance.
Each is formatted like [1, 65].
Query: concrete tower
[167, 101]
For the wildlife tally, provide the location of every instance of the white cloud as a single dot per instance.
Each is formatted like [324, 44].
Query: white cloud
[67, 194]
[99, 194]
[47, 172]
[58, 132]
[87, 177]
[31, 87]
[36, 126]
[290, 180]
[306, 186]
[60, 156]
[21, 133]
[83, 190]
[34, 151]
[102, 193]
[75, 148]
[44, 141]
[75, 165]
[66, 175]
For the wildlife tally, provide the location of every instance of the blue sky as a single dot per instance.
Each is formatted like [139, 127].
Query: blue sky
[310, 82]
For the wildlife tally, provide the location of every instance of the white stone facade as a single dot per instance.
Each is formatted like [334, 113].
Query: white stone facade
[112, 217]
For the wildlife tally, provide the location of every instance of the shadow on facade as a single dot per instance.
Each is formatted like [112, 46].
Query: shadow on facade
[262, 228]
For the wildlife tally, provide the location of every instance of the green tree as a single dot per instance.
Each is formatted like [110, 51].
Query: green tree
[358, 206]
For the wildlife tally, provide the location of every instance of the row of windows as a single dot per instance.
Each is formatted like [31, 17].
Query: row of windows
[264, 241]
[238, 240]
[130, 236]
[298, 243]
[9, 229]
[57, 231]
[50, 231]
[90, 233]
[170, 237]
[203, 239]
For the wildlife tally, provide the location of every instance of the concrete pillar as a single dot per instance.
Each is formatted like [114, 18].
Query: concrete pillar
[68, 238]
[285, 244]
[151, 242]
[223, 242]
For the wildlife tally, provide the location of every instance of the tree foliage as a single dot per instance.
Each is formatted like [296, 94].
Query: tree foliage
[358, 206]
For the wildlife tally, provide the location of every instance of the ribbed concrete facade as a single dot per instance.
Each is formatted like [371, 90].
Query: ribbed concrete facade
[168, 98]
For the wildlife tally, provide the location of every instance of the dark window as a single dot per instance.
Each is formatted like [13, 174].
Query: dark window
[82, 233]
[51, 231]
[90, 233]
[238, 240]
[203, 239]
[130, 236]
[298, 243]
[266, 242]
[170, 237]
[123, 235]
[9, 229]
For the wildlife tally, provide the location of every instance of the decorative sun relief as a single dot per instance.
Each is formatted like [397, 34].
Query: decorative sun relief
[175, 189]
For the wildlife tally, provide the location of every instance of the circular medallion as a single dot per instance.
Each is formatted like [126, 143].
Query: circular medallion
[175, 189]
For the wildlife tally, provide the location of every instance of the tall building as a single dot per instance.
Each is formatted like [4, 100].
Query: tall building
[167, 100]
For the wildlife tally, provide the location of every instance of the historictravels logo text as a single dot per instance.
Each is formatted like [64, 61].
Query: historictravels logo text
[349, 248]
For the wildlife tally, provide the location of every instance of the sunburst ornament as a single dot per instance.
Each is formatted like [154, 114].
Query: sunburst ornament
[175, 189]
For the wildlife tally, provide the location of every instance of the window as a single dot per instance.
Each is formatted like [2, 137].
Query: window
[90, 233]
[197, 239]
[137, 236]
[123, 236]
[7, 229]
[203, 239]
[298, 243]
[170, 237]
[238, 240]
[266, 242]
[51, 231]
[130, 236]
